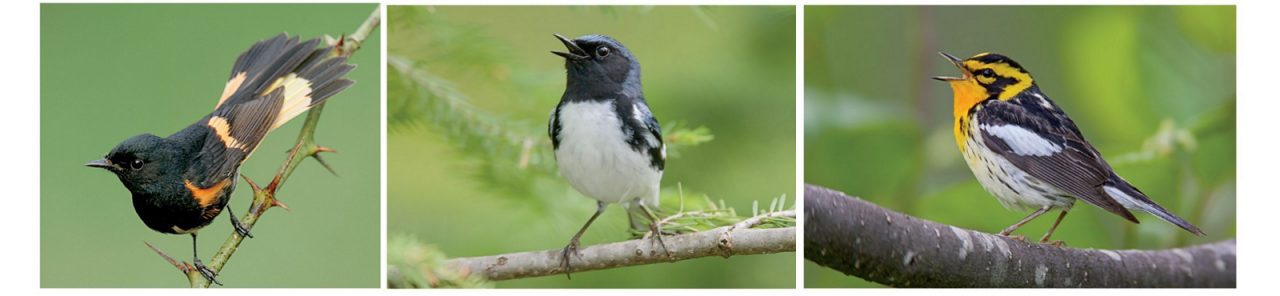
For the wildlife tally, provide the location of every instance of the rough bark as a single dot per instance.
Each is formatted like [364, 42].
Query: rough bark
[861, 239]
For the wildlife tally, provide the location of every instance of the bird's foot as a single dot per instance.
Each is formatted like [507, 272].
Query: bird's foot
[656, 234]
[207, 273]
[1055, 243]
[240, 227]
[1017, 237]
[571, 249]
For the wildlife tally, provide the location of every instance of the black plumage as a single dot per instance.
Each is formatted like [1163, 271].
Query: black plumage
[180, 183]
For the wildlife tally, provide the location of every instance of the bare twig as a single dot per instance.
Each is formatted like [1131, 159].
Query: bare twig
[305, 147]
[858, 238]
[738, 239]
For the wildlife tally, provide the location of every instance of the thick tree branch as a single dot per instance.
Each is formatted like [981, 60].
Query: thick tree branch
[305, 147]
[737, 239]
[861, 239]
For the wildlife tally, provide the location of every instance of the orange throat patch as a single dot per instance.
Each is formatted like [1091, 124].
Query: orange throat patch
[965, 95]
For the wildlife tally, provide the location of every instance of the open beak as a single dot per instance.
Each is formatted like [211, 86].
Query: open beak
[103, 164]
[575, 52]
[954, 61]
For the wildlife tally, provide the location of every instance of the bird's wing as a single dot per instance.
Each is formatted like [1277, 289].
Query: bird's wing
[1040, 139]
[647, 137]
[274, 81]
[553, 126]
[233, 132]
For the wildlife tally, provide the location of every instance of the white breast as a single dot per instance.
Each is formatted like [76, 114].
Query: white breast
[595, 158]
[1013, 187]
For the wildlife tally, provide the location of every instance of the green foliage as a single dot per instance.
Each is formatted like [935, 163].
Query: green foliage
[702, 214]
[1152, 87]
[420, 265]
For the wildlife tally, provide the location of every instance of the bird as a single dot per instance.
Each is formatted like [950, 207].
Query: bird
[1028, 153]
[180, 183]
[607, 143]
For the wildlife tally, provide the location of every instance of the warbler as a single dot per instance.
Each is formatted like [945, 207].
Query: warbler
[607, 143]
[1027, 152]
[180, 183]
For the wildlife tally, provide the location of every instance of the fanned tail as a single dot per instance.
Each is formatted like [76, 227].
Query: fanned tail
[306, 75]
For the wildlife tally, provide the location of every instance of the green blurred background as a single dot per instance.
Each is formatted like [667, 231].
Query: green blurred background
[109, 72]
[730, 69]
[1152, 87]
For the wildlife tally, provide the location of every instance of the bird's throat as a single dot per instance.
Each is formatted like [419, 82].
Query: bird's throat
[965, 95]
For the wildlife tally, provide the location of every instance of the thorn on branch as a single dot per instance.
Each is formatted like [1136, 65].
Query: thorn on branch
[185, 268]
[324, 164]
[278, 203]
[252, 185]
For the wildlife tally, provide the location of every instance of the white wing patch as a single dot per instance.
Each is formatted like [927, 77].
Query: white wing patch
[639, 111]
[1043, 102]
[1023, 141]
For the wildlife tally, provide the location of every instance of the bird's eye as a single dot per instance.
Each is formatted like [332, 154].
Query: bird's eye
[602, 51]
[136, 164]
[986, 73]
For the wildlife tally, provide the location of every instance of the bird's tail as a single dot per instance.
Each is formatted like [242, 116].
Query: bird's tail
[304, 73]
[1132, 198]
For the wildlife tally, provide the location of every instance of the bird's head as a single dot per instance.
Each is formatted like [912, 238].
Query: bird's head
[136, 161]
[598, 61]
[987, 75]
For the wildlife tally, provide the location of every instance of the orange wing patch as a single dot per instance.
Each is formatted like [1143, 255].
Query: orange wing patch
[232, 86]
[222, 128]
[206, 196]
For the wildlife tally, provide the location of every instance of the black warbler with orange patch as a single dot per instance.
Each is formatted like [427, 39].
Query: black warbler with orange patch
[182, 182]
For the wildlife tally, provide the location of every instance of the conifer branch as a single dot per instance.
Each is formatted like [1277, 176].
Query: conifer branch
[726, 241]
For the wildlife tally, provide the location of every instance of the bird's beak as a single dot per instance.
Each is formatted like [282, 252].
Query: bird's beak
[575, 52]
[959, 63]
[103, 164]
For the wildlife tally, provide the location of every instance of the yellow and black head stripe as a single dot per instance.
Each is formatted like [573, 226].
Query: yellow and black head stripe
[1001, 76]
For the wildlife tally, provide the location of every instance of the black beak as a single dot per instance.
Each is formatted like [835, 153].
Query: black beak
[959, 63]
[575, 52]
[102, 164]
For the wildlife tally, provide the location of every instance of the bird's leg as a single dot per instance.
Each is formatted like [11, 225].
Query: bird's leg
[572, 248]
[235, 223]
[654, 229]
[1045, 238]
[1015, 226]
[207, 273]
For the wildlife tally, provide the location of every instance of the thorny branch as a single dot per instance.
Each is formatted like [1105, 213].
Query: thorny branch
[726, 241]
[858, 238]
[305, 147]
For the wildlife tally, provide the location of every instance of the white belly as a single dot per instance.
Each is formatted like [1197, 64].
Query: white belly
[595, 158]
[1017, 189]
